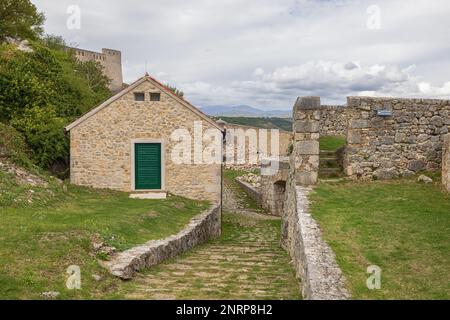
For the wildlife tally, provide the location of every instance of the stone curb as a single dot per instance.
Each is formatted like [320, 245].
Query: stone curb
[200, 229]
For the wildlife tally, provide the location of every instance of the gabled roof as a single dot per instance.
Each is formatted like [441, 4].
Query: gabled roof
[130, 88]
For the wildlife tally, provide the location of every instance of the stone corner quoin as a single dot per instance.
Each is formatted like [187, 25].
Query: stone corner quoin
[201, 228]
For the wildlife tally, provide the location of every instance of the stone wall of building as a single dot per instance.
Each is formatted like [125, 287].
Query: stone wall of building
[202, 228]
[101, 146]
[111, 60]
[403, 143]
[333, 120]
[264, 145]
[446, 163]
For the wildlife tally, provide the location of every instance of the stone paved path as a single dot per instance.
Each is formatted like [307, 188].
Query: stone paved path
[245, 263]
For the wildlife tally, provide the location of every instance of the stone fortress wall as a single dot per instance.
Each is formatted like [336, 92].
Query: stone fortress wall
[111, 60]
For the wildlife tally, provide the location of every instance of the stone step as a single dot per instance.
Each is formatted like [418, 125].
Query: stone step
[327, 170]
[329, 163]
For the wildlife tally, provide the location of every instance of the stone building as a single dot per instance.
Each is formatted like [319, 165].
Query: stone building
[129, 142]
[111, 60]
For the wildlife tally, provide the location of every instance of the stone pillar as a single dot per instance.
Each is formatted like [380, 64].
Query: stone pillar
[446, 163]
[306, 140]
[358, 149]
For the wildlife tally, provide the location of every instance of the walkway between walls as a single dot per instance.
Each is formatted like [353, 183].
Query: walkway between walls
[245, 263]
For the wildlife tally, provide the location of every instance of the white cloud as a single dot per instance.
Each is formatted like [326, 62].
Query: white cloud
[265, 52]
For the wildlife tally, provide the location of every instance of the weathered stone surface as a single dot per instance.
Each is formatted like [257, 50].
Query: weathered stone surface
[307, 103]
[101, 146]
[386, 174]
[333, 120]
[306, 126]
[446, 163]
[273, 185]
[308, 147]
[265, 143]
[416, 165]
[252, 191]
[424, 179]
[204, 227]
[411, 139]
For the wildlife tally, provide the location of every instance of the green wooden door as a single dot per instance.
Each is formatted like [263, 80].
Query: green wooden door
[147, 164]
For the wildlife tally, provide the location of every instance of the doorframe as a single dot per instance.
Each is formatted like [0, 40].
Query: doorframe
[133, 168]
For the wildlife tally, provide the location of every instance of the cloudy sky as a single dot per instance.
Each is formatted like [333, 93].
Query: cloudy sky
[265, 53]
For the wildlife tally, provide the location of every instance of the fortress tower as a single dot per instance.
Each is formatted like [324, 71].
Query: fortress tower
[111, 60]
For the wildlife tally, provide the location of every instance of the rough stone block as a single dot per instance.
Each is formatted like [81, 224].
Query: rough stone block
[306, 126]
[359, 124]
[307, 103]
[446, 163]
[353, 101]
[310, 147]
[354, 136]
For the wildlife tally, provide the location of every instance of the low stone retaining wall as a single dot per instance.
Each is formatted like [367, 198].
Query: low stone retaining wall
[252, 191]
[313, 259]
[446, 163]
[202, 228]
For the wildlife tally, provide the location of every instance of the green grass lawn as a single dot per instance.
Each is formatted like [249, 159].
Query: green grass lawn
[402, 227]
[40, 240]
[331, 143]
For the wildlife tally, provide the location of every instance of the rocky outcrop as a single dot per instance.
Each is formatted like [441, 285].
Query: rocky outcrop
[202, 228]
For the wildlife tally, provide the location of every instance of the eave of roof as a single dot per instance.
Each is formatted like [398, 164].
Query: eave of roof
[135, 84]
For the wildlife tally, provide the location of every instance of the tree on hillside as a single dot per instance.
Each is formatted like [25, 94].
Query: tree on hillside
[19, 19]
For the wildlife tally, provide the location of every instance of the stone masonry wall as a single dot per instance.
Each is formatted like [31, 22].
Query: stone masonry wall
[333, 120]
[101, 146]
[274, 174]
[306, 140]
[446, 163]
[111, 60]
[408, 141]
[202, 228]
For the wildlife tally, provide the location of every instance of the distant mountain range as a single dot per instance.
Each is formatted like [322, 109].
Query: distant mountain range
[244, 111]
